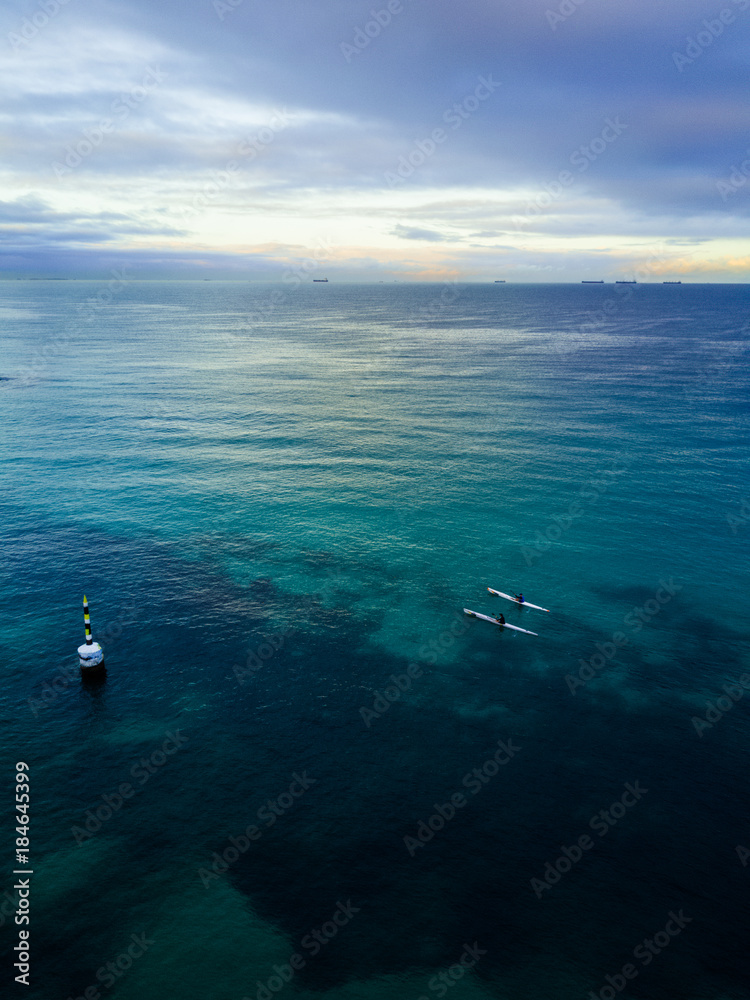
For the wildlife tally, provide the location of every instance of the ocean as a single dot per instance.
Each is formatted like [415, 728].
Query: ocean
[306, 772]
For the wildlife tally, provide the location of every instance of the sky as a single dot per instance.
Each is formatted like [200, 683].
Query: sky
[409, 140]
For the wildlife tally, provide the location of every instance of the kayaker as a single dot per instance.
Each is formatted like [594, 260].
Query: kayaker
[500, 619]
[519, 598]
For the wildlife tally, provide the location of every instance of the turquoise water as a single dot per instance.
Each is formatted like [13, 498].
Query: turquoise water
[278, 499]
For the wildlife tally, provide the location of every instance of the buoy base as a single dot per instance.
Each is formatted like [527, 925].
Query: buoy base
[91, 657]
[97, 668]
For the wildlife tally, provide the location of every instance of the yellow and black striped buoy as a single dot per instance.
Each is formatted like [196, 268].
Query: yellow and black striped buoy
[90, 654]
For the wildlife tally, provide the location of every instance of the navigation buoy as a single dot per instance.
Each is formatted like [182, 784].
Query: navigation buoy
[90, 654]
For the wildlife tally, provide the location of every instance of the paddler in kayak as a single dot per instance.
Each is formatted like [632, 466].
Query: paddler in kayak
[500, 619]
[519, 598]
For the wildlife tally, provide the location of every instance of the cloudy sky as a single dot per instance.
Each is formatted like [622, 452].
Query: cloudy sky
[530, 140]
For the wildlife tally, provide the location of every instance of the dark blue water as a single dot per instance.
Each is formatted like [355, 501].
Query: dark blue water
[277, 500]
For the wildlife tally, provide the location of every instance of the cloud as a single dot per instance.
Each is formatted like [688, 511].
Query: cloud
[412, 233]
[31, 222]
[121, 119]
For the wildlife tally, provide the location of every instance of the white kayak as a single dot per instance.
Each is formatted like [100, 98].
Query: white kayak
[509, 597]
[475, 614]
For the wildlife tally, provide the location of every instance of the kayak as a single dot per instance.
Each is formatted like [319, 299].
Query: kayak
[475, 614]
[509, 597]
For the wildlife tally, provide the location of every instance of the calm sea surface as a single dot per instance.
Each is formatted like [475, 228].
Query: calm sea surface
[307, 772]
